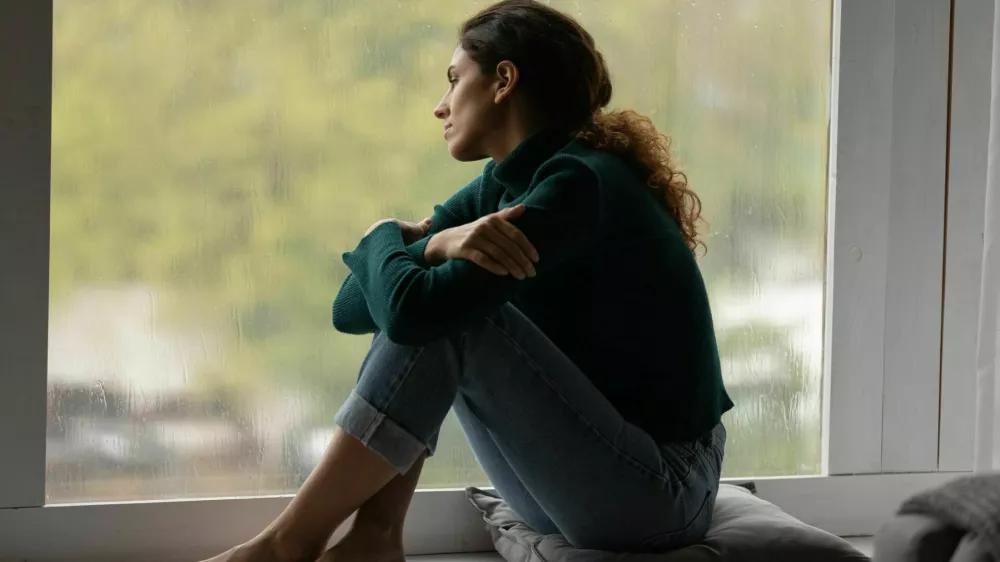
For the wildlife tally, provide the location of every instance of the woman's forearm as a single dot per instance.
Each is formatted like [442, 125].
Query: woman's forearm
[350, 310]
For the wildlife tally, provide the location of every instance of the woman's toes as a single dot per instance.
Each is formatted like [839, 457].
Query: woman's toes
[226, 556]
[249, 552]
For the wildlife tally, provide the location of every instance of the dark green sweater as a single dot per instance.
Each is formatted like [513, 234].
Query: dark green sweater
[617, 288]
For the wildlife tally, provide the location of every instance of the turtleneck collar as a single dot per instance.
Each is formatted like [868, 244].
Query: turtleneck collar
[516, 171]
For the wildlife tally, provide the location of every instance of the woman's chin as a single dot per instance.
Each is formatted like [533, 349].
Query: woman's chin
[464, 153]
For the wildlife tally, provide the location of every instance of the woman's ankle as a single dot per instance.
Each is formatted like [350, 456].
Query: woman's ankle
[288, 548]
[376, 531]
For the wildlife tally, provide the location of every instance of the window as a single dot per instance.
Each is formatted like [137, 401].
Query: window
[210, 161]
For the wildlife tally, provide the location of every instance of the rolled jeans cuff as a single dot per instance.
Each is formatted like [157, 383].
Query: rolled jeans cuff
[366, 423]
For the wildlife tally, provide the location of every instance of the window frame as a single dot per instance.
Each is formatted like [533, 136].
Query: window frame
[885, 259]
[887, 256]
[25, 141]
[972, 59]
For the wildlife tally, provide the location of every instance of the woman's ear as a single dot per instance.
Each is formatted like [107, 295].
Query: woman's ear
[506, 80]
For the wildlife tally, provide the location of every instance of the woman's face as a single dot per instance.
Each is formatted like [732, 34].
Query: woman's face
[470, 109]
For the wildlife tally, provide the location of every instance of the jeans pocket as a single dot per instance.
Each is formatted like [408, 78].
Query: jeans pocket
[679, 458]
[683, 459]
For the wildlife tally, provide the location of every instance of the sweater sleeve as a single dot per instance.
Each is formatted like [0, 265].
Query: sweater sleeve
[414, 305]
[350, 310]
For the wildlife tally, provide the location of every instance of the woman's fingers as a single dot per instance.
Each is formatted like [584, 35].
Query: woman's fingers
[499, 247]
[512, 212]
[424, 226]
[484, 261]
[514, 233]
[518, 237]
[490, 243]
[512, 251]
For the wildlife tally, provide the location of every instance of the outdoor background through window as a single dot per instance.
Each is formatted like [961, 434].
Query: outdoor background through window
[212, 160]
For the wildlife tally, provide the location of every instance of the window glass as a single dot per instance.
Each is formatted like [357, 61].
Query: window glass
[211, 161]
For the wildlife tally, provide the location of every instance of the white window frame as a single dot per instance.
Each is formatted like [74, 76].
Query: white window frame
[882, 382]
[972, 58]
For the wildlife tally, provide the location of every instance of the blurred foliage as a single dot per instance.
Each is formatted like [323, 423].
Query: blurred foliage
[223, 154]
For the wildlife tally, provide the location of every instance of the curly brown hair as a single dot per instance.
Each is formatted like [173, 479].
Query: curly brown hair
[565, 76]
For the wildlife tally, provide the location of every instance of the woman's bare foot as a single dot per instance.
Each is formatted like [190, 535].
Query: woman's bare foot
[261, 549]
[367, 545]
[244, 553]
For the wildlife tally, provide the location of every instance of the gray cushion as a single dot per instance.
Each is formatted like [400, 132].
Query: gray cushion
[916, 538]
[744, 529]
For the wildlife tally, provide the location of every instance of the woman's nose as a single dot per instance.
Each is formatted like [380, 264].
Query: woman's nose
[441, 111]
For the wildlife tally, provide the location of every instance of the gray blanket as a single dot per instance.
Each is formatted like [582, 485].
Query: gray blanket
[970, 504]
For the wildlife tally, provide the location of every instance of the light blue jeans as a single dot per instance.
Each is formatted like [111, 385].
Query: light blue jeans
[553, 446]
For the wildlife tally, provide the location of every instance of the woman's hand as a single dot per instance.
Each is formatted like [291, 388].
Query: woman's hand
[491, 242]
[412, 231]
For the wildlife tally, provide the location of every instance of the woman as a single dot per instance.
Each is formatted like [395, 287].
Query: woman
[554, 303]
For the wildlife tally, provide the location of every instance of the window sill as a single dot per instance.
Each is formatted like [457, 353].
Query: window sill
[480, 557]
[439, 521]
[864, 544]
